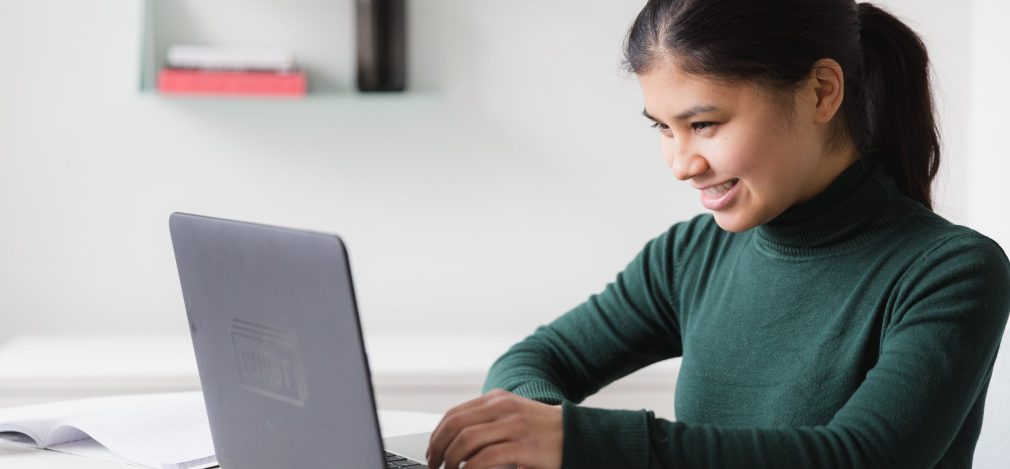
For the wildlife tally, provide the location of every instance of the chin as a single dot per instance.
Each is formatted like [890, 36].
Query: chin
[732, 222]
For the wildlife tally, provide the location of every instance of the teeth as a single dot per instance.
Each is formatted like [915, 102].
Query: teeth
[716, 191]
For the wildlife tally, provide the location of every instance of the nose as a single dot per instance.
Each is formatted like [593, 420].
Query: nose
[687, 164]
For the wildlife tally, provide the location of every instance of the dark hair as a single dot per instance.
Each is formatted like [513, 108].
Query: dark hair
[887, 106]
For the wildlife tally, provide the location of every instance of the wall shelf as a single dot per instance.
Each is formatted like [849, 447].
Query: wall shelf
[321, 34]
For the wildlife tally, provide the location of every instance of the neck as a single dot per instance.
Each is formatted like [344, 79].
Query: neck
[847, 211]
[833, 165]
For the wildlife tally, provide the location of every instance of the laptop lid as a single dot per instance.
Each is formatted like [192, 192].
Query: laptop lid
[278, 345]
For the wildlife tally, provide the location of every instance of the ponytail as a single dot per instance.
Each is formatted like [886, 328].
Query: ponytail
[899, 103]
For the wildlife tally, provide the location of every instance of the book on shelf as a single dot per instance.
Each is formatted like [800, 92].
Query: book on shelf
[232, 82]
[164, 431]
[269, 59]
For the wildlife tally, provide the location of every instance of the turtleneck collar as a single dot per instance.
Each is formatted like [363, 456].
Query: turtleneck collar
[843, 213]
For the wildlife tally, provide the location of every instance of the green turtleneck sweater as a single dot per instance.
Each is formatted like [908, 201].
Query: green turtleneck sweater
[857, 329]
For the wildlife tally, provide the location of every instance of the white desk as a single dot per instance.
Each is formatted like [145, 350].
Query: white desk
[408, 374]
[16, 456]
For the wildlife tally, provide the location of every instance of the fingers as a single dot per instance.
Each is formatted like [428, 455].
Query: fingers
[496, 429]
[477, 401]
[486, 408]
[497, 455]
[471, 440]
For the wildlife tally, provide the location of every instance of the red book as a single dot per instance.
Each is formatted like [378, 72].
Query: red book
[213, 82]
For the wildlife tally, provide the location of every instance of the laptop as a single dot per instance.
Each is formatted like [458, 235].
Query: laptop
[279, 348]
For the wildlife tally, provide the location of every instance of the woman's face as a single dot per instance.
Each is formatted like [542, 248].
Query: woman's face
[749, 160]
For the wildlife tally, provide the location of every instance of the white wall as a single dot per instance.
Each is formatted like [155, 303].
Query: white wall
[986, 200]
[518, 182]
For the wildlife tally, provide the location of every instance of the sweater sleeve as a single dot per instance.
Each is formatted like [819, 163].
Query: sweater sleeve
[629, 325]
[937, 350]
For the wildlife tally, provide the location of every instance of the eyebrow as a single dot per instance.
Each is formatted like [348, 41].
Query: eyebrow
[686, 114]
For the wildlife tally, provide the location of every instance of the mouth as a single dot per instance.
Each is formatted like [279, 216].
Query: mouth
[720, 189]
[720, 195]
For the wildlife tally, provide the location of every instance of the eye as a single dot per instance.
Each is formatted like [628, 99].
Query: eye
[701, 125]
[657, 125]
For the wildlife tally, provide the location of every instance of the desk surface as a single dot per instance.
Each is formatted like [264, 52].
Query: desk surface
[22, 457]
[49, 368]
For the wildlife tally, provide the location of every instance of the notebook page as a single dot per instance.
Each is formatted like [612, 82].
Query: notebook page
[37, 420]
[165, 431]
[90, 449]
[28, 431]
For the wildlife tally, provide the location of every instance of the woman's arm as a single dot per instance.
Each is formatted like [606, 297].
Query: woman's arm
[631, 324]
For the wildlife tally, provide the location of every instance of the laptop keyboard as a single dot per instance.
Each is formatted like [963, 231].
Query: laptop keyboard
[395, 462]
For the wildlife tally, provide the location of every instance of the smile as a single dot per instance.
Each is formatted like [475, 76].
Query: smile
[716, 191]
[719, 196]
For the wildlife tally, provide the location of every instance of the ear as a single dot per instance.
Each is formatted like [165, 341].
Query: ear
[827, 84]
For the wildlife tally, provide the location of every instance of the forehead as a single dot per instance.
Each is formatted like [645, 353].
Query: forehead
[668, 91]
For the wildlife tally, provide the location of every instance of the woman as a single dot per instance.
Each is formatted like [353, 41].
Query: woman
[825, 315]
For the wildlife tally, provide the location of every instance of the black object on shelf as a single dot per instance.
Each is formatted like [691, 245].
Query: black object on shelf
[382, 45]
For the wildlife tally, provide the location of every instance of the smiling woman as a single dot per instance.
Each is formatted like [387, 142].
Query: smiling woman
[826, 316]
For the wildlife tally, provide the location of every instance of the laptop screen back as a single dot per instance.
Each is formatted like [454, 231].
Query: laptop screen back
[278, 344]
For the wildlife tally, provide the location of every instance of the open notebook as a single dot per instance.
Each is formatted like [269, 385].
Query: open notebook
[165, 431]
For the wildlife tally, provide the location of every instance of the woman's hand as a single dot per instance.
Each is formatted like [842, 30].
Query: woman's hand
[495, 429]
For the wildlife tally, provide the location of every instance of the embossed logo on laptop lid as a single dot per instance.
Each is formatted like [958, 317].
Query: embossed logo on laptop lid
[269, 361]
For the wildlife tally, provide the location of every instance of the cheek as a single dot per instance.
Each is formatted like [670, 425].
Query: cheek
[731, 157]
[750, 153]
